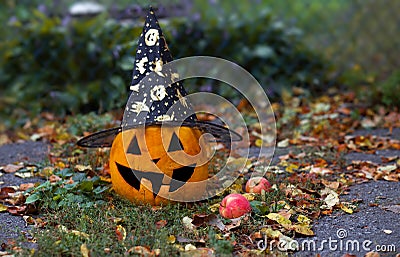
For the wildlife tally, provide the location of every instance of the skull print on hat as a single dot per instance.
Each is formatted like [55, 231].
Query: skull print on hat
[153, 91]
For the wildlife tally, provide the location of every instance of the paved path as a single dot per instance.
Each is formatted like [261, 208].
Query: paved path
[368, 223]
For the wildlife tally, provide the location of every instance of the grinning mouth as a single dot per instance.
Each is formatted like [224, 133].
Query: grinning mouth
[134, 177]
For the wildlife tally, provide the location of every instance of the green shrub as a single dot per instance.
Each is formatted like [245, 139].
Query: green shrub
[271, 51]
[76, 65]
[391, 89]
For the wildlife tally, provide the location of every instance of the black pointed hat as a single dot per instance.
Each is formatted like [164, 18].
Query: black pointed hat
[155, 96]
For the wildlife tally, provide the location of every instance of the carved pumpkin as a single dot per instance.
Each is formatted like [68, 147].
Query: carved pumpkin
[143, 166]
[155, 164]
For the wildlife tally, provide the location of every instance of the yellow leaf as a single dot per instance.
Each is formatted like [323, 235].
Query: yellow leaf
[280, 219]
[346, 209]
[304, 230]
[291, 168]
[81, 167]
[3, 208]
[214, 207]
[79, 233]
[171, 239]
[106, 179]
[46, 171]
[258, 142]
[84, 250]
[249, 196]
[303, 219]
[270, 233]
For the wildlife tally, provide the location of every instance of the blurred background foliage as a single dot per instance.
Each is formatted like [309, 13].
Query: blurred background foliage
[62, 62]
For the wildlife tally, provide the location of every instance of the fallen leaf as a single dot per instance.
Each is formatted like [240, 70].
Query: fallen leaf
[17, 210]
[120, 232]
[25, 186]
[3, 208]
[79, 233]
[234, 224]
[190, 247]
[82, 168]
[279, 218]
[303, 219]
[330, 184]
[270, 233]
[6, 191]
[84, 250]
[198, 252]
[11, 168]
[372, 254]
[141, 251]
[161, 224]
[331, 199]
[214, 207]
[23, 174]
[393, 208]
[387, 168]
[283, 143]
[54, 178]
[346, 209]
[187, 223]
[210, 219]
[303, 229]
[171, 239]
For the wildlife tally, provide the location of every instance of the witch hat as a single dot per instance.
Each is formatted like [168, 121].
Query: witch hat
[155, 97]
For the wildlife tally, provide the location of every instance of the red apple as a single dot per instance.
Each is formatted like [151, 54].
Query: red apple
[234, 206]
[257, 185]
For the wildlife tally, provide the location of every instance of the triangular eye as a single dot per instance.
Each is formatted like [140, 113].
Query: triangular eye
[176, 144]
[133, 147]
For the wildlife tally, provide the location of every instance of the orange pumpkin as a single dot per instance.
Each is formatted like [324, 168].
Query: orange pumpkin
[157, 164]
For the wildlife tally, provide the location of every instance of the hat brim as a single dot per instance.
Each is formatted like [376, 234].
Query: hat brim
[106, 137]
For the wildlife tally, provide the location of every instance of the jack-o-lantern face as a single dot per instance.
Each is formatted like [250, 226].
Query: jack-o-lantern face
[153, 164]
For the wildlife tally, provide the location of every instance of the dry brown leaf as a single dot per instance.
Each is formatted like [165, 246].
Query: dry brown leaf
[11, 168]
[210, 219]
[120, 232]
[25, 186]
[6, 191]
[17, 210]
[141, 251]
[54, 178]
[161, 224]
[372, 254]
[393, 208]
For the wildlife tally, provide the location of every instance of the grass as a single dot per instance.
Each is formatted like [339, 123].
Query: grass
[100, 223]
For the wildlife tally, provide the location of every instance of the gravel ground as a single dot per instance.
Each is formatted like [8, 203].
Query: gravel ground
[371, 223]
[28, 152]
